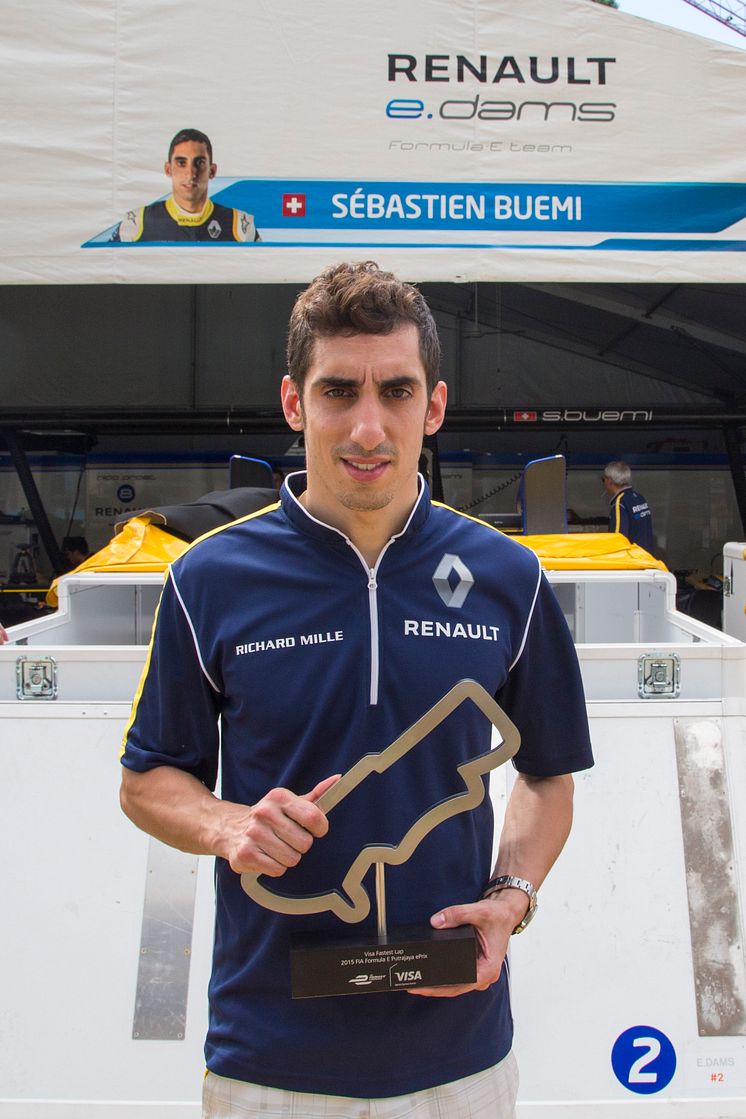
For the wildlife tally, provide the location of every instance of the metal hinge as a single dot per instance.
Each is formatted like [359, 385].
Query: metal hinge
[659, 676]
[36, 678]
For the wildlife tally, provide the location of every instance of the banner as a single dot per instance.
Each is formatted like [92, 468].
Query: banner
[447, 139]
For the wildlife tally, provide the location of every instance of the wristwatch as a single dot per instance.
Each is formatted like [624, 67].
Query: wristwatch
[510, 881]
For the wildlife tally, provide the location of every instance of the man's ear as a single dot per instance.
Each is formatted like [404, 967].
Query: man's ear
[436, 409]
[213, 170]
[167, 168]
[291, 403]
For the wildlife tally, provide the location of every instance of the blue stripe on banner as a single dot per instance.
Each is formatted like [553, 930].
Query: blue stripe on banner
[658, 245]
[618, 244]
[634, 208]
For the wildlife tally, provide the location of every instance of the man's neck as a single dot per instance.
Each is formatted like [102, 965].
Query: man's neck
[195, 208]
[368, 530]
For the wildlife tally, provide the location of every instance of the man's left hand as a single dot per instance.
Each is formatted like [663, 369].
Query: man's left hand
[494, 920]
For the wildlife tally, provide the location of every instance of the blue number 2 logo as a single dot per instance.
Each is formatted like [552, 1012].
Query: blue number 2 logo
[643, 1059]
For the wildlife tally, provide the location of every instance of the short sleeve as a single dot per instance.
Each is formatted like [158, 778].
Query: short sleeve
[175, 714]
[544, 695]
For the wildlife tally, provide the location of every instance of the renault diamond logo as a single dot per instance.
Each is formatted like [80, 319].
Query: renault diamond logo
[452, 590]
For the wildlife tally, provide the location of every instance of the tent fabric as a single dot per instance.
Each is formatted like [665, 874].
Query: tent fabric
[590, 551]
[154, 538]
[194, 518]
[141, 545]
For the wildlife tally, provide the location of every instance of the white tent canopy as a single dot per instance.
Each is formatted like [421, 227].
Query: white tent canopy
[555, 140]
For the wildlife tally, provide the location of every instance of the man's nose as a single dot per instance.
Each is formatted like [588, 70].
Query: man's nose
[368, 429]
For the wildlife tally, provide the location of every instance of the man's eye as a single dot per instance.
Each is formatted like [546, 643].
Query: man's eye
[400, 392]
[336, 393]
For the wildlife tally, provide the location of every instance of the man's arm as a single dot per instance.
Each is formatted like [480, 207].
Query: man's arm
[537, 823]
[170, 763]
[265, 838]
[619, 517]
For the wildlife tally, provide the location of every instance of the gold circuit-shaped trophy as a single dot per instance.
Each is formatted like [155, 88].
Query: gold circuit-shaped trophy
[360, 963]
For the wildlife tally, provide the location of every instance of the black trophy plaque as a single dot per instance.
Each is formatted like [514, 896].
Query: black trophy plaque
[364, 963]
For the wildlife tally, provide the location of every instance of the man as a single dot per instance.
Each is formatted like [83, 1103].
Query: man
[629, 512]
[188, 215]
[316, 631]
[75, 551]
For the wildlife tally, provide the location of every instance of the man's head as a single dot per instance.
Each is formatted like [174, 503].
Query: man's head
[190, 168]
[363, 357]
[349, 299]
[616, 476]
[193, 135]
[75, 549]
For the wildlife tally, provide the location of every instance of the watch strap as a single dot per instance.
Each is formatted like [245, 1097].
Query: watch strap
[511, 881]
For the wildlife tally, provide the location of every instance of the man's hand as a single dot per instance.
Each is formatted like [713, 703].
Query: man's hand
[264, 838]
[537, 823]
[273, 834]
[494, 920]
[3, 636]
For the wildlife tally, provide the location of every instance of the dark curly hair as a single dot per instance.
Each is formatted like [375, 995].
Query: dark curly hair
[358, 298]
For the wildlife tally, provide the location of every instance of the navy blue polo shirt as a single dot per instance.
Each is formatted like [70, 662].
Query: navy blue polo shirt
[278, 646]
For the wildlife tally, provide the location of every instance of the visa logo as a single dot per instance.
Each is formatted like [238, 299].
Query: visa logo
[407, 976]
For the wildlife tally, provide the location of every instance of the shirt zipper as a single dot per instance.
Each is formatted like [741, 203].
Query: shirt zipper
[371, 573]
[375, 660]
[374, 653]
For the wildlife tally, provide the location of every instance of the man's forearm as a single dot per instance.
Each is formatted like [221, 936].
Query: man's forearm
[264, 838]
[178, 809]
[537, 823]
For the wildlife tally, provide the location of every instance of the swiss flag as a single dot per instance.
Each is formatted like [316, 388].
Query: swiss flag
[293, 205]
[525, 417]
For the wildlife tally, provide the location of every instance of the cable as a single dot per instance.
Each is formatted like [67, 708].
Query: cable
[490, 493]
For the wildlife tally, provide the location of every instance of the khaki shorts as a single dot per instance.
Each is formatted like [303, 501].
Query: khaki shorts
[486, 1095]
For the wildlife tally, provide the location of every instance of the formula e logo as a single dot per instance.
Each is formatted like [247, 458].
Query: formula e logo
[453, 580]
[365, 980]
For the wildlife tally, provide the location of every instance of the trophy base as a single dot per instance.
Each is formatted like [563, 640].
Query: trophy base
[364, 964]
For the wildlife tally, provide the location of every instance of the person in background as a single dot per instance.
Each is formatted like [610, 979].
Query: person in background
[75, 550]
[3, 635]
[629, 512]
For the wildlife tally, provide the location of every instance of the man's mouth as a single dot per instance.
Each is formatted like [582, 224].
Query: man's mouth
[361, 469]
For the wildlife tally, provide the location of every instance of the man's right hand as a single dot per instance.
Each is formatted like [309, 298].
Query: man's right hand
[277, 831]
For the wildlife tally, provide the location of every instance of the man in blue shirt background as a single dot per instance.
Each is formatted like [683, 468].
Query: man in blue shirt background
[629, 512]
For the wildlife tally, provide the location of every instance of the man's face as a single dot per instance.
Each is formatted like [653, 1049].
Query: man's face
[364, 411]
[190, 171]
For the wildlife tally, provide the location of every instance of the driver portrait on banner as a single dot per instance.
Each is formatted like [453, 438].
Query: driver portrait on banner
[188, 214]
